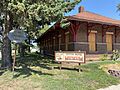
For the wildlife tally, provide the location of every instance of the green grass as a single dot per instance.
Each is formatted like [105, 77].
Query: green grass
[34, 73]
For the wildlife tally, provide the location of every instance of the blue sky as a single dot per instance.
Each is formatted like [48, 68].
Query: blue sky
[103, 7]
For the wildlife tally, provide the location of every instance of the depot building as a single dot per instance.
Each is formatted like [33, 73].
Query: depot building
[90, 32]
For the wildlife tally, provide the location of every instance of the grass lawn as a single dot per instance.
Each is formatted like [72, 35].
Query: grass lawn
[33, 73]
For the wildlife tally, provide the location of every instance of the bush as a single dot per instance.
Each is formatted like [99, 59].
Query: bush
[115, 55]
[104, 57]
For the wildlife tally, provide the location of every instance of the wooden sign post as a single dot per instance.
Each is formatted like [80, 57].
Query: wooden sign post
[16, 36]
[70, 57]
[14, 57]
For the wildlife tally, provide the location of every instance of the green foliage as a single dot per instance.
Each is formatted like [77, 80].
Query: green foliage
[104, 57]
[44, 11]
[34, 13]
[118, 6]
[42, 30]
[64, 23]
[115, 55]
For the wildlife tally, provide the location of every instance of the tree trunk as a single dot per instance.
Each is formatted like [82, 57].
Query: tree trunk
[28, 41]
[29, 44]
[6, 47]
[6, 53]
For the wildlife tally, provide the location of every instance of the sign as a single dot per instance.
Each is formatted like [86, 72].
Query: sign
[70, 56]
[17, 36]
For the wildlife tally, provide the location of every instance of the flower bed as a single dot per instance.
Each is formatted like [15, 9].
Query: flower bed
[112, 69]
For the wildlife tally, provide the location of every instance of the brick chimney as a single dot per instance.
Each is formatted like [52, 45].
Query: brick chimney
[81, 9]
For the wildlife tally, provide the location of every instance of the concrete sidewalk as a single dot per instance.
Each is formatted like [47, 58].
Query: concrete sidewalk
[113, 87]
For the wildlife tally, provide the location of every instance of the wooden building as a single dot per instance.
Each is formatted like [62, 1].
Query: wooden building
[88, 32]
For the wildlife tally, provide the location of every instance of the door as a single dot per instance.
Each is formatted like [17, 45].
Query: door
[92, 42]
[109, 42]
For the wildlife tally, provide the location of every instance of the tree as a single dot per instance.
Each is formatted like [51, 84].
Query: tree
[7, 25]
[27, 13]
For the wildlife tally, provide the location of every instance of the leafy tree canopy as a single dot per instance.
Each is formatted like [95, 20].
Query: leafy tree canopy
[42, 11]
[35, 13]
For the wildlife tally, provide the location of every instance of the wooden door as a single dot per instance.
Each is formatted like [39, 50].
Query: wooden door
[109, 42]
[66, 41]
[92, 42]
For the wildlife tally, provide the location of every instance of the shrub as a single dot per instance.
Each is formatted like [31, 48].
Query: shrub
[115, 55]
[104, 57]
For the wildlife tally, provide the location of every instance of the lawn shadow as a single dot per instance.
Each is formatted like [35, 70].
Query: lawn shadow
[69, 68]
[3, 70]
[32, 60]
[1, 73]
[27, 71]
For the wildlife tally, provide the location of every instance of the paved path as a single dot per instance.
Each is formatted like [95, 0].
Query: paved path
[113, 87]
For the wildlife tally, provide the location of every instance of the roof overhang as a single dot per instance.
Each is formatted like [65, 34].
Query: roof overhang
[91, 21]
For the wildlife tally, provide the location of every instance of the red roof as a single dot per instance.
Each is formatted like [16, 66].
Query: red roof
[92, 17]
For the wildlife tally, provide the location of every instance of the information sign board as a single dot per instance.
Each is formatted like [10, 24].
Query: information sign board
[17, 36]
[70, 56]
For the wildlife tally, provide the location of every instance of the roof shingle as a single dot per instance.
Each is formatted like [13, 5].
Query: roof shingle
[92, 17]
